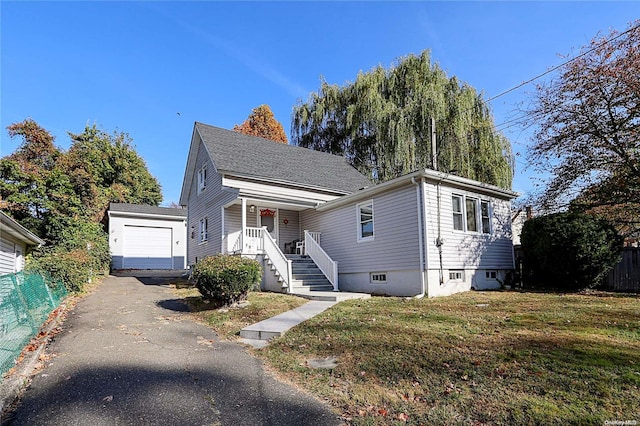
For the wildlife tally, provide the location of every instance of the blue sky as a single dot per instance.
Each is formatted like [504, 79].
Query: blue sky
[133, 66]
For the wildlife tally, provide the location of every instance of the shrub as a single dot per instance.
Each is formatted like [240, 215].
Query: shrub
[568, 251]
[226, 278]
[76, 259]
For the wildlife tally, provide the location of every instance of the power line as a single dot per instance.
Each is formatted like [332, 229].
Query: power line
[561, 65]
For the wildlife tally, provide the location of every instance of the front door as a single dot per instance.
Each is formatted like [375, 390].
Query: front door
[269, 218]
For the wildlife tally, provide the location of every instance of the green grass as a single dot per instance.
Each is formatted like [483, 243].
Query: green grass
[526, 358]
[228, 321]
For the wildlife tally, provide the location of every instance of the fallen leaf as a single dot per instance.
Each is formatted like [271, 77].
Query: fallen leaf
[403, 417]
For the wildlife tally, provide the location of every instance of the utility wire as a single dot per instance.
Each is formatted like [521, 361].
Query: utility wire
[561, 65]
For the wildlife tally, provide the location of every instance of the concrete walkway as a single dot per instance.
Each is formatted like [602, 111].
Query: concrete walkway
[128, 355]
[258, 335]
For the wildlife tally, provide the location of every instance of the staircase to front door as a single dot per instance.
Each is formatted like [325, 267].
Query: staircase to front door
[307, 276]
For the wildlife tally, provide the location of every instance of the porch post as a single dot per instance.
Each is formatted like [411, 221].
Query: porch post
[244, 223]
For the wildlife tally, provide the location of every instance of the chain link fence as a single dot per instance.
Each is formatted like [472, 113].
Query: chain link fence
[26, 300]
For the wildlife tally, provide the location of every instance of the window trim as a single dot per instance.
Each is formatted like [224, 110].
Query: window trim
[478, 202]
[488, 274]
[204, 230]
[378, 277]
[456, 272]
[359, 221]
[474, 202]
[460, 213]
[489, 227]
[202, 179]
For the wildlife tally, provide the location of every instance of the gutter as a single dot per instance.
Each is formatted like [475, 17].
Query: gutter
[146, 215]
[429, 175]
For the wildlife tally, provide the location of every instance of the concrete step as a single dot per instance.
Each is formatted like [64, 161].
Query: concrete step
[329, 296]
[308, 276]
[316, 288]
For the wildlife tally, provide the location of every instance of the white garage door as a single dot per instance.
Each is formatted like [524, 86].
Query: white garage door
[147, 248]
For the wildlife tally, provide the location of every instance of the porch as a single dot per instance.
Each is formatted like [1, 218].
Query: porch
[294, 261]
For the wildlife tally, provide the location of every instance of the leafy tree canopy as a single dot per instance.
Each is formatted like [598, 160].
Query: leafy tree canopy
[381, 124]
[104, 168]
[47, 190]
[261, 122]
[588, 130]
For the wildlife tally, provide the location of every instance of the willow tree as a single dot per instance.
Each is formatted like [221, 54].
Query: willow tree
[381, 124]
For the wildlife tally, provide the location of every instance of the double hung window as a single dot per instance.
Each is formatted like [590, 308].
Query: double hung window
[204, 229]
[471, 214]
[365, 221]
[202, 179]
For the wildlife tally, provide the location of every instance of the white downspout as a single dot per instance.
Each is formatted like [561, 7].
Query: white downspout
[420, 237]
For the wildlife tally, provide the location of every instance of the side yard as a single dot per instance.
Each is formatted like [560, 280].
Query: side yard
[476, 357]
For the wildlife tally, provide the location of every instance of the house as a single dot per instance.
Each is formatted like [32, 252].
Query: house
[423, 234]
[147, 237]
[15, 242]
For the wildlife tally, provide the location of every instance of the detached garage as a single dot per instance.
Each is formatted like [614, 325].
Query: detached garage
[147, 237]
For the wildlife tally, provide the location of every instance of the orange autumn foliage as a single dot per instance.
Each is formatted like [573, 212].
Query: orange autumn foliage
[262, 123]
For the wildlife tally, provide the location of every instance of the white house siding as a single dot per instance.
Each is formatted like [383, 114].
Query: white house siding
[393, 251]
[289, 231]
[472, 252]
[8, 263]
[207, 204]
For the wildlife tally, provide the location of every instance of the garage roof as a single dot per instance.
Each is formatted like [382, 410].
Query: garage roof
[147, 209]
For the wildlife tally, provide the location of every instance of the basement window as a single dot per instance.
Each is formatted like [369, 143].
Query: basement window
[378, 277]
[456, 275]
[491, 275]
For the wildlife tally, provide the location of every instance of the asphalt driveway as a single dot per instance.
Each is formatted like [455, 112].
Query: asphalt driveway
[129, 355]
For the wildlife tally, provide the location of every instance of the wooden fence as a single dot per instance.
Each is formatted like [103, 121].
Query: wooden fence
[626, 275]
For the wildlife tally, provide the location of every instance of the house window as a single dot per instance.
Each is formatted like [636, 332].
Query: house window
[472, 214]
[485, 216]
[456, 275]
[365, 221]
[204, 230]
[378, 277]
[491, 275]
[202, 179]
[456, 201]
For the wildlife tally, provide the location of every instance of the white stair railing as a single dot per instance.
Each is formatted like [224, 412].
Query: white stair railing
[234, 242]
[328, 266]
[277, 258]
[253, 240]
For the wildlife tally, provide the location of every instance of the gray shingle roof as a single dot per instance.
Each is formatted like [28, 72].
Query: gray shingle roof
[234, 152]
[146, 209]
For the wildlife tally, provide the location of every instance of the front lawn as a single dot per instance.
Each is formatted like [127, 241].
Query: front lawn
[228, 322]
[472, 358]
